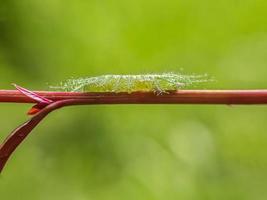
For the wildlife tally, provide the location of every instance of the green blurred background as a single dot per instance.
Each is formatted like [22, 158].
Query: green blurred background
[135, 152]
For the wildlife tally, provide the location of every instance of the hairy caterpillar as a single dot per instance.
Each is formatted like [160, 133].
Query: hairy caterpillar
[157, 83]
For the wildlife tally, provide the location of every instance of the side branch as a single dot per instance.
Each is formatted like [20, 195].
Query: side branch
[17, 136]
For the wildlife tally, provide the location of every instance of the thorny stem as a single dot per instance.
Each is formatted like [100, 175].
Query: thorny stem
[62, 99]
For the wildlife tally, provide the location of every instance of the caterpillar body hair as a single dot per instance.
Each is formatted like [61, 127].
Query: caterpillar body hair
[158, 83]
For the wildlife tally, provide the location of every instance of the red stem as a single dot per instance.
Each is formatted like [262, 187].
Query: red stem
[17, 136]
[62, 99]
[174, 97]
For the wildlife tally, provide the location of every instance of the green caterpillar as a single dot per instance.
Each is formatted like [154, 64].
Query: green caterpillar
[158, 83]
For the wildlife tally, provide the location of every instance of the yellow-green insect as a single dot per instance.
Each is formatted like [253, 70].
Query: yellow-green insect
[157, 83]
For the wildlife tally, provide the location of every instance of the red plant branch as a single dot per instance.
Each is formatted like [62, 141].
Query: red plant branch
[173, 97]
[20, 133]
[61, 99]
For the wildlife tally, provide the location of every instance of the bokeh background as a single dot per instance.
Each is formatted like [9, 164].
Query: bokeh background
[135, 152]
